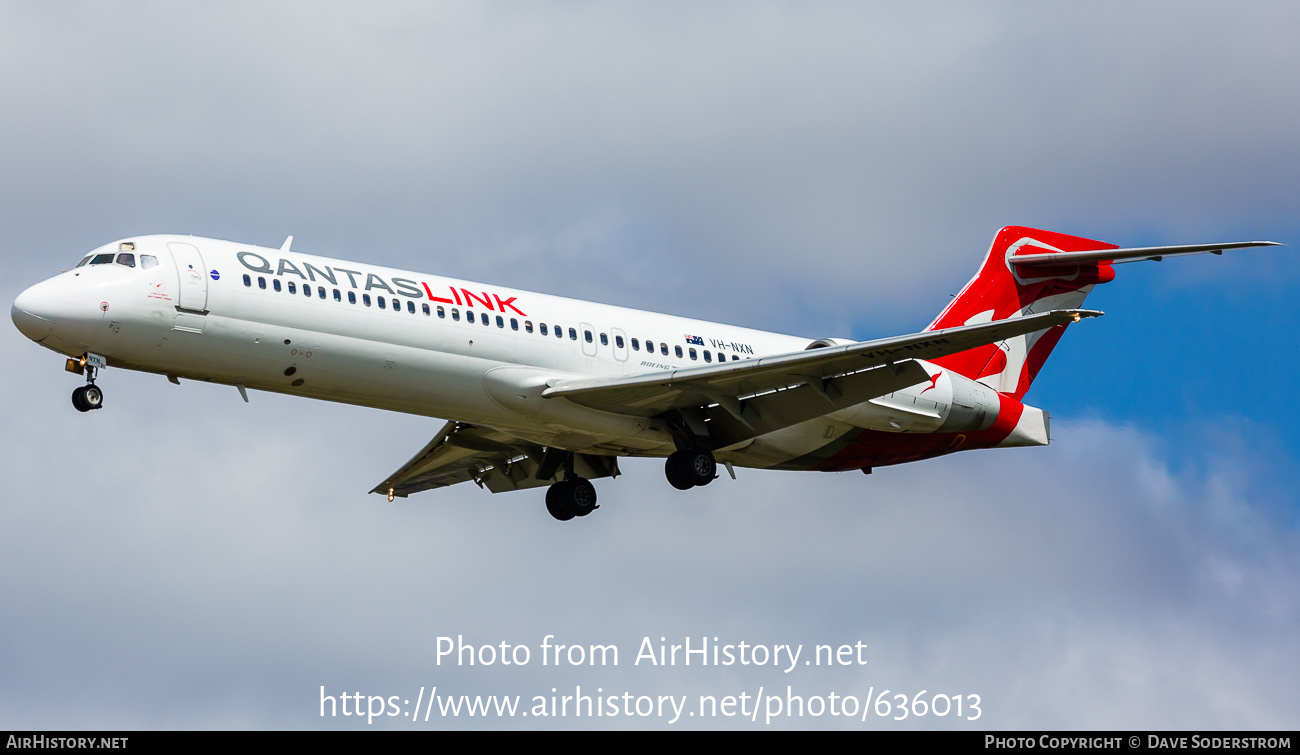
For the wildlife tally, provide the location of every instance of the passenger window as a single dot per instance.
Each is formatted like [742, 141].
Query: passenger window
[663, 349]
[541, 328]
[559, 332]
[735, 358]
[248, 281]
[573, 335]
[678, 351]
[514, 324]
[636, 345]
[261, 282]
[102, 259]
[604, 340]
[425, 308]
[410, 307]
[587, 335]
[338, 296]
[501, 323]
[455, 315]
[382, 302]
[707, 356]
[469, 315]
[397, 306]
[127, 259]
[486, 320]
[293, 289]
[321, 290]
[618, 341]
[352, 297]
[442, 313]
[275, 283]
[365, 299]
[147, 261]
[693, 355]
[528, 326]
[306, 290]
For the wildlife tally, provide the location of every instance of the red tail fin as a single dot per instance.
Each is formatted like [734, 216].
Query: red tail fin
[998, 292]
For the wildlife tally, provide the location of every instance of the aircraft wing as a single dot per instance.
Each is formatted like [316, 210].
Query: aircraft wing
[753, 397]
[461, 452]
[842, 375]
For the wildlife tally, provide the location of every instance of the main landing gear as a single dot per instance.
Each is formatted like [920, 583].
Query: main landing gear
[571, 497]
[691, 468]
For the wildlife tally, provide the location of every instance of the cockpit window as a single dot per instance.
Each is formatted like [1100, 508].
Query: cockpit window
[126, 258]
[102, 259]
[147, 261]
[85, 260]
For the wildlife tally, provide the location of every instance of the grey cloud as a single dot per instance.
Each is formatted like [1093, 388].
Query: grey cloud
[860, 153]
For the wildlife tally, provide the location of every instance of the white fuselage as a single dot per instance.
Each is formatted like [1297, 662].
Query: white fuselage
[278, 320]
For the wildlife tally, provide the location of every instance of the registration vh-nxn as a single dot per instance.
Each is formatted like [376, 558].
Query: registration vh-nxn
[540, 390]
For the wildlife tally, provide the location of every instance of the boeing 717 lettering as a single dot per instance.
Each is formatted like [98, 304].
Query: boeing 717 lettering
[539, 390]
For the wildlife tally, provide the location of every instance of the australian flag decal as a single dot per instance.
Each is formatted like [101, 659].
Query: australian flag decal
[697, 340]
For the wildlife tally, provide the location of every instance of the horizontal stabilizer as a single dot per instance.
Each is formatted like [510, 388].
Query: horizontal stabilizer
[1034, 255]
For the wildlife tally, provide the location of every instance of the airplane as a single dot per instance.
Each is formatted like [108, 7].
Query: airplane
[540, 390]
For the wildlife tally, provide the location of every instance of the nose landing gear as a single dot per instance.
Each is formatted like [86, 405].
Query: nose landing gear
[88, 396]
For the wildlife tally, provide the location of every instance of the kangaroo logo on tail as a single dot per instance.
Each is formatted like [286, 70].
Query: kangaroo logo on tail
[1001, 291]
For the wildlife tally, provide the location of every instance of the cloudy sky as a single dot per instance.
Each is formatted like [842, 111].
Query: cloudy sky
[184, 560]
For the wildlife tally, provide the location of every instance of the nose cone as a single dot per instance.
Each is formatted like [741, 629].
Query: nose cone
[35, 309]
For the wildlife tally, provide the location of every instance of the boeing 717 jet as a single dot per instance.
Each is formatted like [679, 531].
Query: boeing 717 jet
[540, 390]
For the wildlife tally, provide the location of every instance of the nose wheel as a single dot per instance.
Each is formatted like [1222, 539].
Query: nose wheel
[88, 397]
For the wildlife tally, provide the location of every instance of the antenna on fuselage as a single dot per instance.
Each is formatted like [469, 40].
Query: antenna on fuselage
[285, 246]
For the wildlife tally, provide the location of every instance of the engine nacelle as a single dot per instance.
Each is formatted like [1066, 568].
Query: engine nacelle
[949, 402]
[822, 343]
[973, 406]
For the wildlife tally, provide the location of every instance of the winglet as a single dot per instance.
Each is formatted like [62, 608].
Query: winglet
[285, 246]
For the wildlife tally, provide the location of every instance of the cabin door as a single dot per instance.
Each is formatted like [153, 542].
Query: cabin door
[192, 278]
